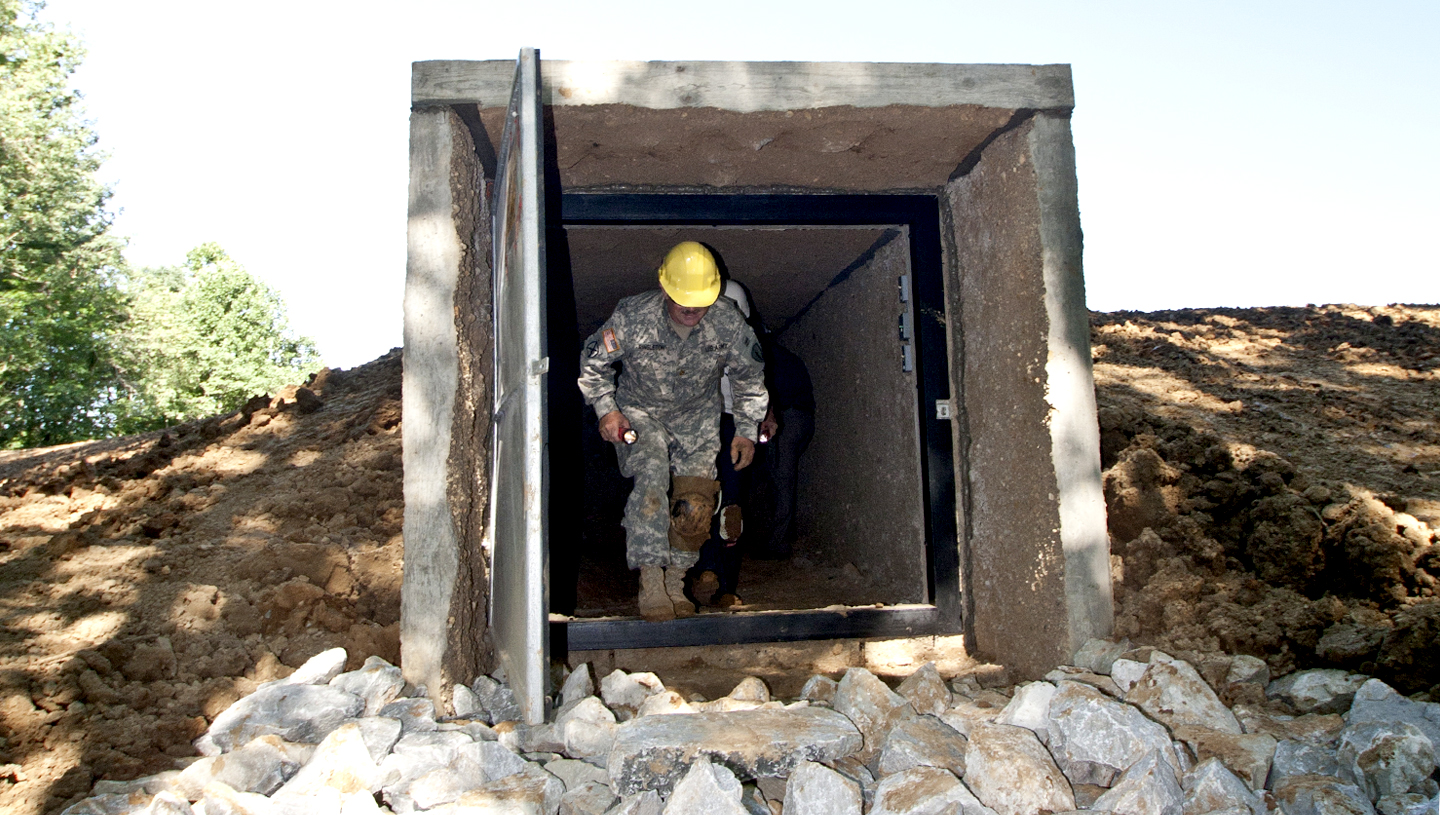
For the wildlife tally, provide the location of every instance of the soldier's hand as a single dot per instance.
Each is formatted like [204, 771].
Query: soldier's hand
[769, 428]
[613, 425]
[742, 452]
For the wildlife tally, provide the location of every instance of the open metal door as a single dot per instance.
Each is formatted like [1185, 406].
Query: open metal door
[520, 481]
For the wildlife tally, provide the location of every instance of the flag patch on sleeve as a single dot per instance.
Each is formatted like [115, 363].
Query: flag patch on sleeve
[611, 344]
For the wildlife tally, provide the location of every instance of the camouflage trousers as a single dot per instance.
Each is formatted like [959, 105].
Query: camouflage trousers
[655, 455]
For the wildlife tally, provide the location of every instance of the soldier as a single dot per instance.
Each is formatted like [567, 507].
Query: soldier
[663, 414]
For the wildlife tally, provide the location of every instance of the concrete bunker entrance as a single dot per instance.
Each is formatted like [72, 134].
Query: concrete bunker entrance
[999, 497]
[840, 297]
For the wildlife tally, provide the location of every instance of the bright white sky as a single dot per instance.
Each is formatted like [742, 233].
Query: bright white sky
[1247, 153]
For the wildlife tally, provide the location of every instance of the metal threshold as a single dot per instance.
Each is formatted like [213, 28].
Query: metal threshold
[834, 622]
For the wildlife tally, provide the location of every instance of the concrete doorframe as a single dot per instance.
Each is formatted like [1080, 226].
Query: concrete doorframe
[991, 142]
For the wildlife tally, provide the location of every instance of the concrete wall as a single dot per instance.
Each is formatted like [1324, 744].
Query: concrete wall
[1034, 551]
[860, 486]
[447, 395]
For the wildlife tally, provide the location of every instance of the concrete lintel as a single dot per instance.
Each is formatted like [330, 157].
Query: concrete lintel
[750, 86]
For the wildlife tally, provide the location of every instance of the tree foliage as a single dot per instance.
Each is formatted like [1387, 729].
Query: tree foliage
[60, 309]
[87, 350]
[204, 338]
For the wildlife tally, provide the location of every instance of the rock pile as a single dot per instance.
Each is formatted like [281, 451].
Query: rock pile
[1123, 731]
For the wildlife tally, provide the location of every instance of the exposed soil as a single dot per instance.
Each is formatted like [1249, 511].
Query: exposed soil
[1272, 475]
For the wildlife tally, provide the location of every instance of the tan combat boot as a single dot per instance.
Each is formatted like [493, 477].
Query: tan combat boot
[675, 588]
[655, 604]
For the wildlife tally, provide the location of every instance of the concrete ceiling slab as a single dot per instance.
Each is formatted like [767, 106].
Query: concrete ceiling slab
[784, 267]
[852, 149]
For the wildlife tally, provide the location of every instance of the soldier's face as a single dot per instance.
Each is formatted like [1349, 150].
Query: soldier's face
[689, 317]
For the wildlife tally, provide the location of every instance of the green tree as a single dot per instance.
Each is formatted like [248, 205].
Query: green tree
[202, 339]
[60, 307]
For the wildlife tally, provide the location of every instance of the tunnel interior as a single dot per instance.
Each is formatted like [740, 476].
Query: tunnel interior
[841, 297]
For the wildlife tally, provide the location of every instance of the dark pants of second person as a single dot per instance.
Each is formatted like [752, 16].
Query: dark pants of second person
[783, 459]
[715, 555]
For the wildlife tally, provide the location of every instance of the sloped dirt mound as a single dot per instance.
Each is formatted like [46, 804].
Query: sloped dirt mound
[147, 583]
[1272, 484]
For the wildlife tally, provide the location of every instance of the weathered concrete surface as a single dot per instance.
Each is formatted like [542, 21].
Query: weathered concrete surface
[1034, 554]
[749, 86]
[867, 507]
[446, 460]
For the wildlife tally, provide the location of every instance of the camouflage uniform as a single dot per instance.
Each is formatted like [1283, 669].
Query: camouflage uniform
[669, 390]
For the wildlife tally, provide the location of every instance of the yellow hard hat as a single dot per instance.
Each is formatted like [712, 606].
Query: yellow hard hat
[689, 275]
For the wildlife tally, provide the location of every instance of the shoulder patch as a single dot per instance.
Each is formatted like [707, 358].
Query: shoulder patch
[611, 344]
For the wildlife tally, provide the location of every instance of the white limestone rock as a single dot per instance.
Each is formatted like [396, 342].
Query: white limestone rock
[590, 798]
[1294, 758]
[1323, 690]
[498, 762]
[922, 741]
[379, 732]
[1320, 795]
[1094, 738]
[443, 785]
[1211, 787]
[341, 762]
[134, 802]
[966, 713]
[925, 690]
[664, 703]
[706, 789]
[871, 706]
[814, 789]
[1010, 771]
[260, 765]
[819, 689]
[1247, 669]
[499, 701]
[1030, 708]
[624, 693]
[1125, 673]
[573, 772]
[1411, 803]
[1385, 758]
[1173, 693]
[418, 753]
[651, 752]
[465, 703]
[751, 689]
[926, 791]
[377, 682]
[578, 685]
[1376, 701]
[299, 713]
[219, 798]
[1148, 787]
[587, 729]
[1248, 755]
[648, 802]
[1100, 682]
[533, 792]
[1099, 655]
[415, 715]
[318, 669]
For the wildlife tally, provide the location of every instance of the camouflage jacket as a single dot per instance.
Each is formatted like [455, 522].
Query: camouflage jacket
[677, 381]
